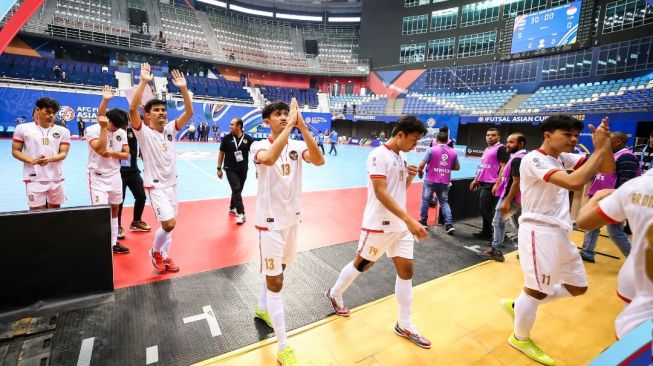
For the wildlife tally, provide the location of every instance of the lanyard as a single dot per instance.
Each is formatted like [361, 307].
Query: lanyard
[47, 134]
[239, 142]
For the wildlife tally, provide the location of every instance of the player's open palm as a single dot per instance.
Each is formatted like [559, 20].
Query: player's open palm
[178, 79]
[601, 134]
[107, 92]
[103, 121]
[146, 73]
[416, 229]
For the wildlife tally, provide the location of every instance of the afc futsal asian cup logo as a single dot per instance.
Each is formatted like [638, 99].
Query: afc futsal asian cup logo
[481, 119]
[430, 122]
[66, 113]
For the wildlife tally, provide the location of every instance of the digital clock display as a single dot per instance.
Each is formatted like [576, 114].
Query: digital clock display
[547, 28]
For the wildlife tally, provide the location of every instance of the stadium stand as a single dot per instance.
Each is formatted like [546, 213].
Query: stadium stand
[463, 103]
[25, 67]
[303, 96]
[369, 104]
[629, 94]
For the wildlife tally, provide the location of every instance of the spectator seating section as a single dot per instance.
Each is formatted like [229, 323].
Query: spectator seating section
[368, 104]
[213, 87]
[466, 103]
[182, 31]
[304, 96]
[619, 94]
[89, 15]
[26, 67]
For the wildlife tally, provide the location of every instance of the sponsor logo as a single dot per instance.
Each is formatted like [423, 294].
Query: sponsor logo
[314, 120]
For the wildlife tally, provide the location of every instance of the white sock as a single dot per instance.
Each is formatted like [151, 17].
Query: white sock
[345, 279]
[525, 312]
[262, 300]
[114, 230]
[559, 292]
[160, 238]
[166, 246]
[404, 292]
[275, 308]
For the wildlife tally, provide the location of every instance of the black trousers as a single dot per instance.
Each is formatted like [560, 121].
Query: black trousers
[236, 179]
[487, 203]
[134, 181]
[333, 148]
[321, 146]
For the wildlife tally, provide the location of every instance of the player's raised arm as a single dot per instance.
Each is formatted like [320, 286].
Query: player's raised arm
[313, 154]
[144, 78]
[107, 94]
[180, 82]
[99, 144]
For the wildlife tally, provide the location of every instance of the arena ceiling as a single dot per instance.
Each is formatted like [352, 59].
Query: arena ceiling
[309, 6]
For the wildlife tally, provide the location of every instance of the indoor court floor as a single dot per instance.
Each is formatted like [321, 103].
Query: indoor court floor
[204, 313]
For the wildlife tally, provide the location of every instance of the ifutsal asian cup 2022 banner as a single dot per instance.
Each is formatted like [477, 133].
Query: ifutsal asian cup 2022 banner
[16, 103]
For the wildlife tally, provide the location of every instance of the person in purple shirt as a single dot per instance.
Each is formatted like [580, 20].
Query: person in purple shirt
[509, 203]
[494, 159]
[626, 168]
[440, 160]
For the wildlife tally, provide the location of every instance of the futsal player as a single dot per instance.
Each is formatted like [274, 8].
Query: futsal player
[42, 146]
[387, 227]
[632, 201]
[278, 162]
[157, 141]
[107, 145]
[550, 262]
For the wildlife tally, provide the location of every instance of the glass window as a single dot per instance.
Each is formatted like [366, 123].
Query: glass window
[444, 19]
[415, 24]
[477, 44]
[560, 2]
[522, 71]
[480, 13]
[512, 8]
[441, 49]
[411, 53]
[411, 3]
[438, 78]
[626, 14]
[567, 65]
[625, 56]
[473, 75]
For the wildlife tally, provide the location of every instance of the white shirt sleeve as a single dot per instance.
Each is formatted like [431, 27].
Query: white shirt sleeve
[19, 134]
[91, 133]
[256, 147]
[538, 166]
[612, 208]
[65, 136]
[572, 161]
[376, 165]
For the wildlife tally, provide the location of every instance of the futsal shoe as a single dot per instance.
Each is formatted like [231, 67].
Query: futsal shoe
[509, 306]
[413, 336]
[424, 223]
[139, 226]
[157, 260]
[121, 233]
[450, 229]
[170, 265]
[286, 357]
[233, 212]
[119, 249]
[241, 219]
[530, 349]
[263, 315]
[492, 253]
[339, 310]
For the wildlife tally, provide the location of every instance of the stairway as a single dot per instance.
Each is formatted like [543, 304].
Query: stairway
[514, 103]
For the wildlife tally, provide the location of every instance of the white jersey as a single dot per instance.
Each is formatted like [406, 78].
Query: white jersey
[159, 156]
[279, 190]
[540, 200]
[634, 201]
[385, 163]
[115, 142]
[38, 141]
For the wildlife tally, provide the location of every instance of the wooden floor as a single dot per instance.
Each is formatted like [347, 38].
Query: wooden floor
[460, 314]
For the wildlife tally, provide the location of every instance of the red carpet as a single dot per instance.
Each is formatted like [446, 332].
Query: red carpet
[206, 238]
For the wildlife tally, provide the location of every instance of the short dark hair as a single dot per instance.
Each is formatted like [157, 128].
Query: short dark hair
[273, 107]
[494, 129]
[118, 117]
[521, 139]
[561, 122]
[444, 129]
[152, 102]
[409, 124]
[442, 136]
[47, 103]
[239, 122]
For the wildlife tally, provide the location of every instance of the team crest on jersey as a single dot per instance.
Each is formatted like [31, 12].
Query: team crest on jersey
[169, 137]
[56, 135]
[119, 138]
[293, 155]
[130, 135]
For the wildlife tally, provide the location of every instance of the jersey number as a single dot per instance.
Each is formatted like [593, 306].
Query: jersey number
[285, 169]
[45, 141]
[97, 199]
[401, 175]
[269, 263]
[546, 280]
[373, 251]
[164, 147]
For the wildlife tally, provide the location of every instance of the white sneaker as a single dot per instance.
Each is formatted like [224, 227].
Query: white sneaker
[233, 212]
[241, 219]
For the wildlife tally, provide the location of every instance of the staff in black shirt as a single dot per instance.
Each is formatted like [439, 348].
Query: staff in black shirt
[131, 177]
[234, 151]
[645, 154]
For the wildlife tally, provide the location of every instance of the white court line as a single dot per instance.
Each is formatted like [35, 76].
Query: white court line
[151, 355]
[213, 177]
[85, 352]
